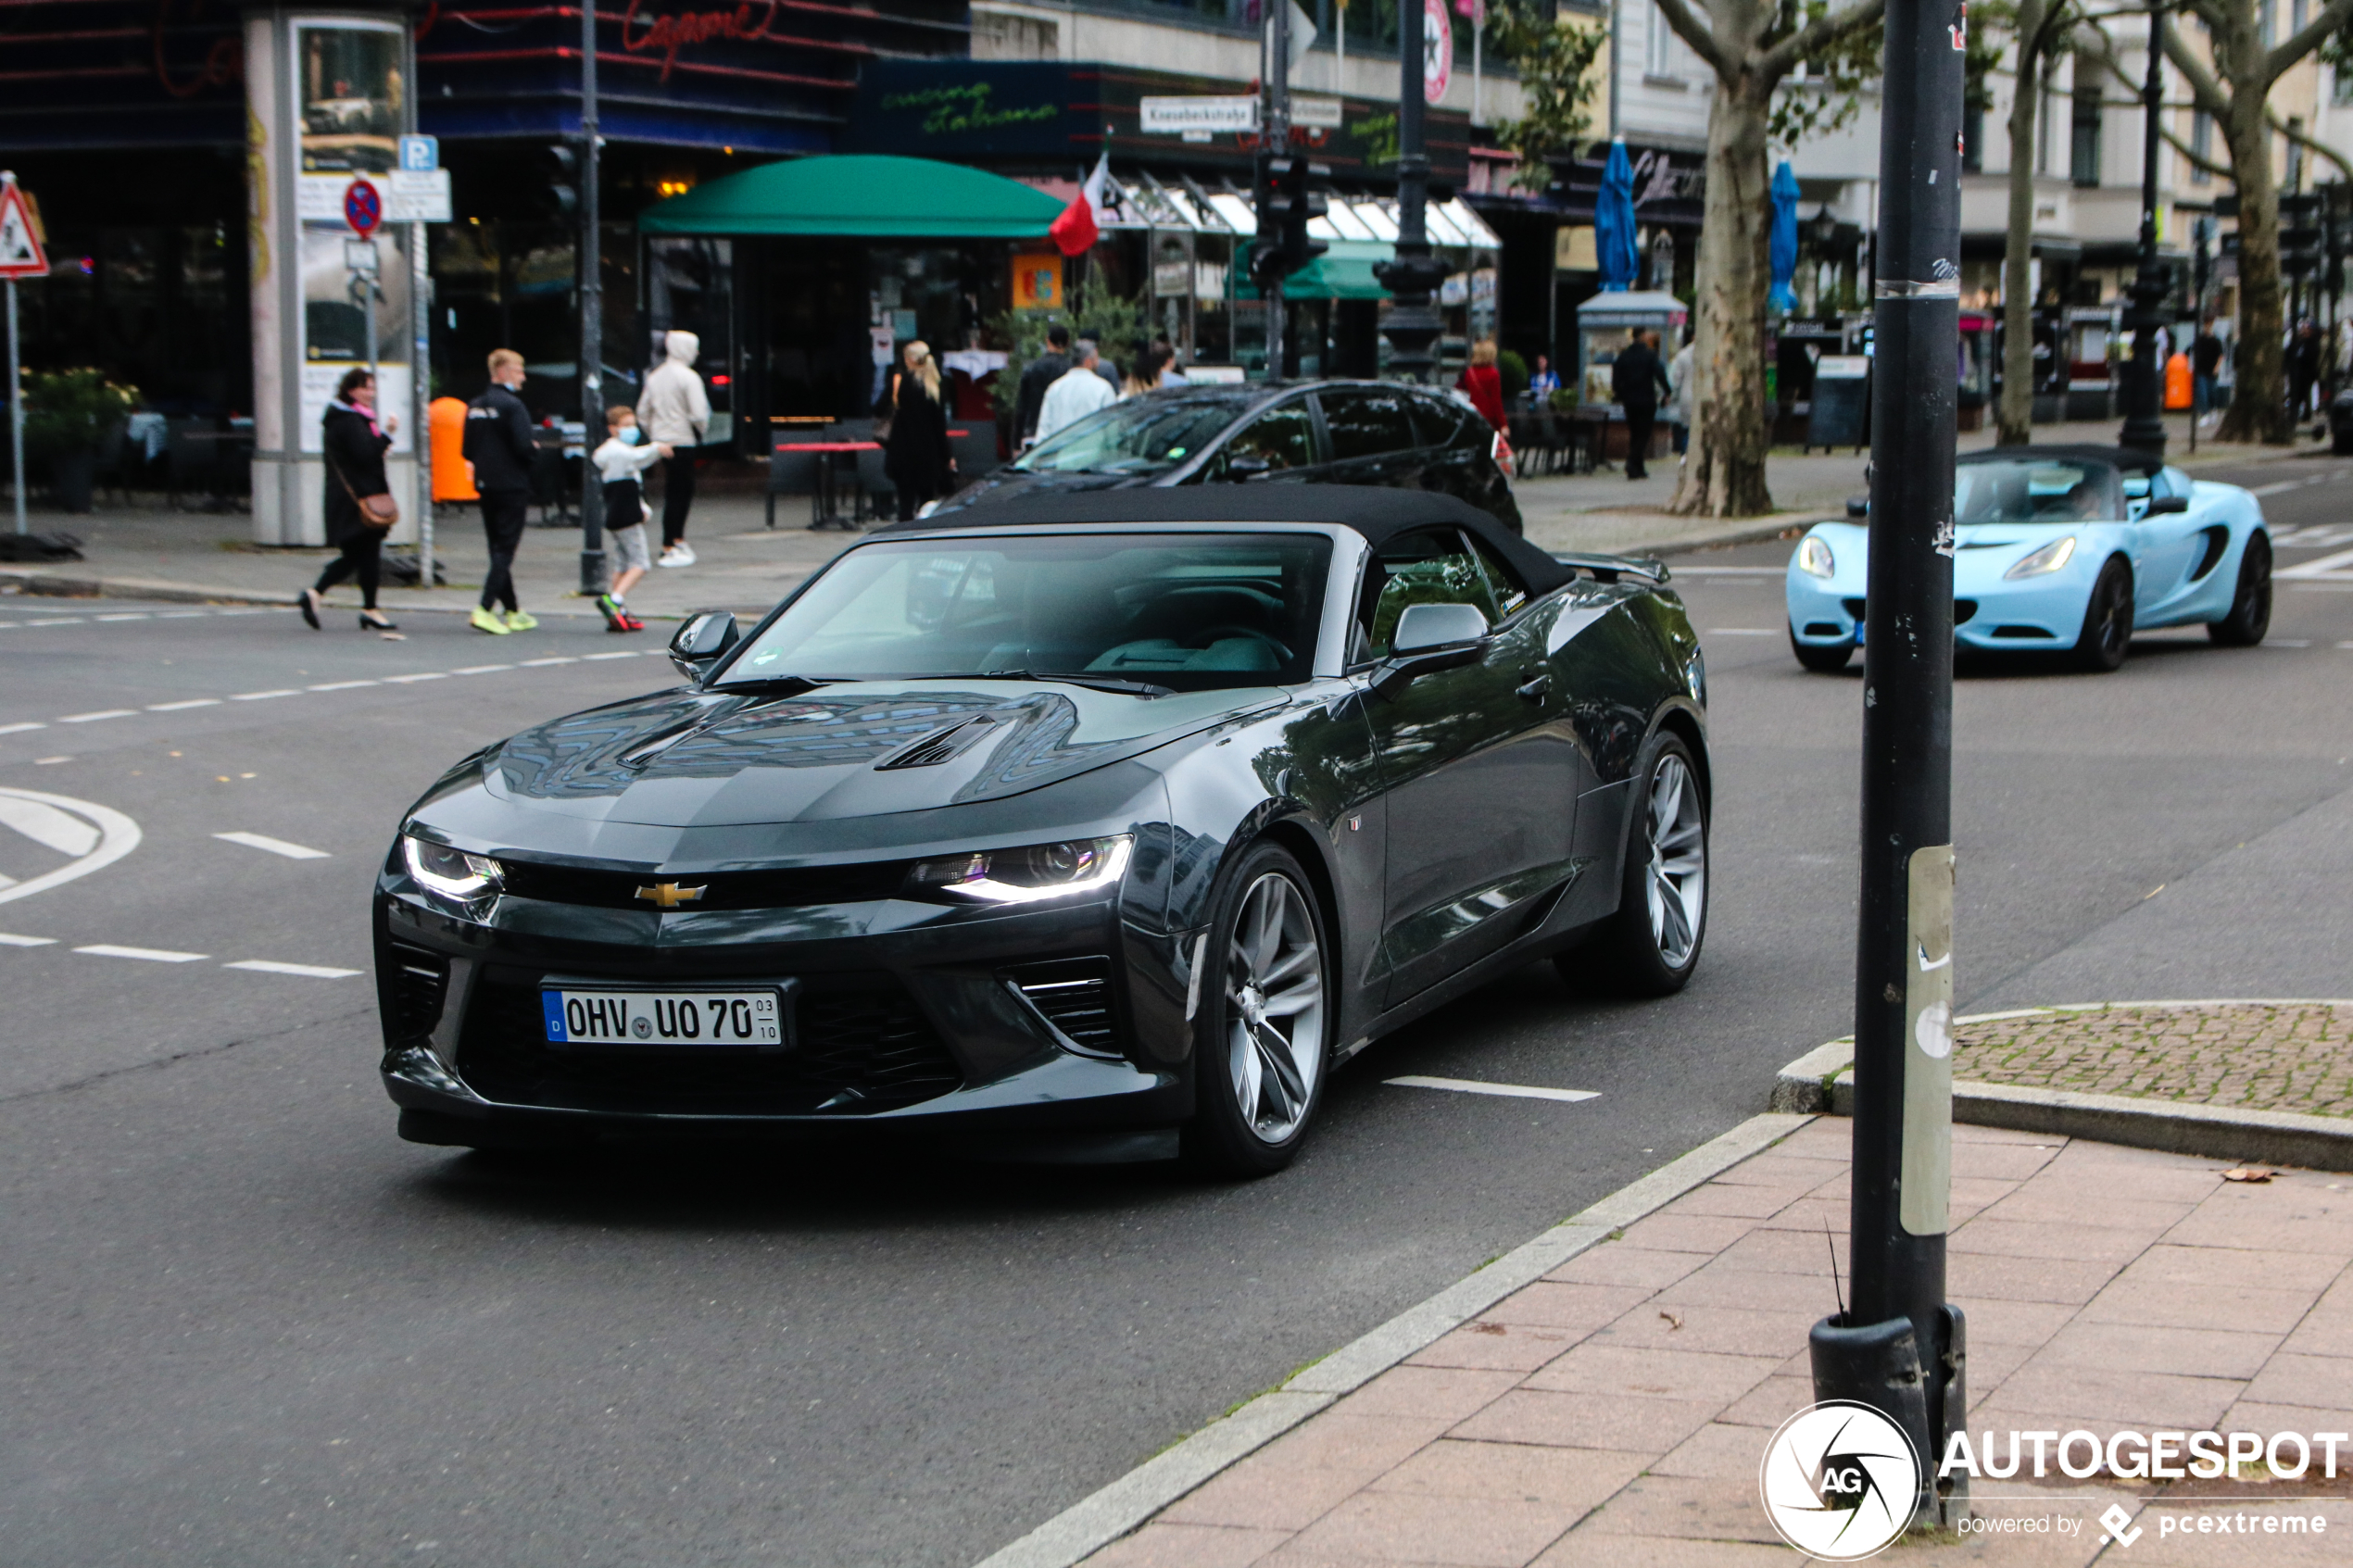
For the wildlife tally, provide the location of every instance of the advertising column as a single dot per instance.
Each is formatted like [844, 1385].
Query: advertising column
[327, 96]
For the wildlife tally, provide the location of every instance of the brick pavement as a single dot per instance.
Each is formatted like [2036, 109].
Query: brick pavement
[2258, 1056]
[1616, 1412]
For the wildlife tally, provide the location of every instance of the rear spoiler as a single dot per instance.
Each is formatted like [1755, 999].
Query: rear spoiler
[1609, 569]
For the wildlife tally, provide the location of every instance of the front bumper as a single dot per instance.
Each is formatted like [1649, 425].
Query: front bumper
[1996, 615]
[1057, 1018]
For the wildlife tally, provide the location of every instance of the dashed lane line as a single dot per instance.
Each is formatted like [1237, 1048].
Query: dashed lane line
[102, 713]
[542, 663]
[264, 696]
[494, 669]
[340, 685]
[165, 955]
[152, 955]
[8, 940]
[307, 971]
[423, 675]
[1473, 1086]
[19, 729]
[274, 846]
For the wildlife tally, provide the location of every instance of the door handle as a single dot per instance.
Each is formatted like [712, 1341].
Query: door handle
[1534, 690]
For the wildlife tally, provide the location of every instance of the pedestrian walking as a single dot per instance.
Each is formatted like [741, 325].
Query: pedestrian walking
[621, 465]
[1484, 383]
[1171, 373]
[1150, 373]
[2205, 362]
[2303, 369]
[916, 454]
[1678, 400]
[499, 446]
[675, 412]
[1077, 393]
[1042, 373]
[358, 504]
[1636, 380]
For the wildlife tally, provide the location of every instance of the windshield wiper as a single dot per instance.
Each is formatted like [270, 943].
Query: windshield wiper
[787, 685]
[1097, 683]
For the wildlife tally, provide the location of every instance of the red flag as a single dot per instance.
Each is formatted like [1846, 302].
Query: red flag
[1075, 232]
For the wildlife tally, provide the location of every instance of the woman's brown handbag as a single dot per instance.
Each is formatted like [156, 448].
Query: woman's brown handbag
[375, 511]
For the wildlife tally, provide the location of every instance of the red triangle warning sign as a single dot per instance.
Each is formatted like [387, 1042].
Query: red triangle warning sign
[20, 252]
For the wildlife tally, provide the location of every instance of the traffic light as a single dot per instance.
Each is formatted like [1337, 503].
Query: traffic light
[564, 181]
[1289, 195]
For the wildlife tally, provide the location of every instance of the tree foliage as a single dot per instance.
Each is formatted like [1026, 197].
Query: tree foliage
[1115, 325]
[1826, 91]
[1555, 55]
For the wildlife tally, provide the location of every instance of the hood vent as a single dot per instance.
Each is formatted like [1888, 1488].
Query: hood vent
[940, 745]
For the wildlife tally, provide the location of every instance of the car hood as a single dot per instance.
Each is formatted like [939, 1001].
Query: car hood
[1006, 483]
[709, 759]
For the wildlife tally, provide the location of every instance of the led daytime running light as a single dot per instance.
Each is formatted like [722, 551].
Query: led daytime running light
[984, 877]
[451, 873]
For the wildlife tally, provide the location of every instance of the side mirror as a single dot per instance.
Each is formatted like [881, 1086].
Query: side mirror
[1858, 506]
[702, 642]
[1429, 638]
[2165, 504]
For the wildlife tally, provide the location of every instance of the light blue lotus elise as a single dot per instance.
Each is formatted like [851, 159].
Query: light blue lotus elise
[2059, 549]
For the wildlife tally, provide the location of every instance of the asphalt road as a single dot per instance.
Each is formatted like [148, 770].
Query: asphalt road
[242, 1325]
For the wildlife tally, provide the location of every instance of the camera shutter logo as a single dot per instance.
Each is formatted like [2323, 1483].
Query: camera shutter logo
[1839, 1481]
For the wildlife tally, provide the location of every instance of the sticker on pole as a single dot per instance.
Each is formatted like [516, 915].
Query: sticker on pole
[20, 252]
[1840, 1481]
[363, 207]
[1437, 50]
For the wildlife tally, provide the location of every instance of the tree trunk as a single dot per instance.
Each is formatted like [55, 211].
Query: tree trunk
[2258, 408]
[2014, 414]
[1724, 474]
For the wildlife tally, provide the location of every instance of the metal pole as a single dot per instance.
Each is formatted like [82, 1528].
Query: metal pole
[421, 394]
[16, 408]
[1274, 135]
[2143, 379]
[592, 318]
[1900, 1346]
[1413, 326]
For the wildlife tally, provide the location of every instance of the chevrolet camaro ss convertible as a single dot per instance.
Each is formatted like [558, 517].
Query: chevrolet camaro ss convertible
[1130, 813]
[2059, 549]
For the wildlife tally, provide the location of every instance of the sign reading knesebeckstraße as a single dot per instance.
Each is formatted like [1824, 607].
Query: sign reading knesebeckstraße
[21, 253]
[1216, 115]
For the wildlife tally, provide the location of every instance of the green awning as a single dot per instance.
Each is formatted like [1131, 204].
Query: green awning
[860, 195]
[1345, 271]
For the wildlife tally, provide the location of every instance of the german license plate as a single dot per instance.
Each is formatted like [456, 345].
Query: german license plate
[663, 1017]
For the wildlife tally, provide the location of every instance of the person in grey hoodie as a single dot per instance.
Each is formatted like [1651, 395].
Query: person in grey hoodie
[675, 411]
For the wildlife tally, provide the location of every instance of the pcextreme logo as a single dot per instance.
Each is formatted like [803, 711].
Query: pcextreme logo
[1840, 1481]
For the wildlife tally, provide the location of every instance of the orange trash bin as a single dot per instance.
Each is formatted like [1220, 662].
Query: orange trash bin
[2177, 382]
[453, 477]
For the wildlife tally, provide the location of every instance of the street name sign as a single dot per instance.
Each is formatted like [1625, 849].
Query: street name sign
[1211, 115]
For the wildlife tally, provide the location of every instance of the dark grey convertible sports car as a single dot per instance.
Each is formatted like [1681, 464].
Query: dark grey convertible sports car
[1131, 811]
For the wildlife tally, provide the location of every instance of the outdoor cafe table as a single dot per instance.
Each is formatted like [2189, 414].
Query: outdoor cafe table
[822, 512]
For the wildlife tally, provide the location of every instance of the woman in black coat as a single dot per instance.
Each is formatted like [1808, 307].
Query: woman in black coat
[917, 459]
[355, 451]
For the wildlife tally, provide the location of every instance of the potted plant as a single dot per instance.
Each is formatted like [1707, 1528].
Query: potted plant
[68, 416]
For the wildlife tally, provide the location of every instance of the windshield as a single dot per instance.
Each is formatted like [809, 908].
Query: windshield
[2036, 490]
[1186, 611]
[1141, 435]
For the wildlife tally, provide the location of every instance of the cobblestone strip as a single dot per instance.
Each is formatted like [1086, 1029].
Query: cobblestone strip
[2261, 1056]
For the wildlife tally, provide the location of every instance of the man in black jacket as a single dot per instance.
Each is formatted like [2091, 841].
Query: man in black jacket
[1636, 380]
[1050, 368]
[500, 448]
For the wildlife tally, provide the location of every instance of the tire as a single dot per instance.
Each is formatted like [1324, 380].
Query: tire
[2106, 635]
[2250, 617]
[1262, 1037]
[1650, 945]
[2341, 446]
[1821, 660]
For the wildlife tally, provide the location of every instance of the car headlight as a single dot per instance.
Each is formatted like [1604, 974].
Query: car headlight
[1813, 557]
[2050, 557]
[1027, 875]
[470, 882]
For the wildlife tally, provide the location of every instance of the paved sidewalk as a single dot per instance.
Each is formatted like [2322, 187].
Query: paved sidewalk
[2264, 1056]
[1614, 1412]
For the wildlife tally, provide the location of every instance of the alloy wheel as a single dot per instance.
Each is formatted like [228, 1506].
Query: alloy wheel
[1273, 1007]
[1676, 879]
[2113, 613]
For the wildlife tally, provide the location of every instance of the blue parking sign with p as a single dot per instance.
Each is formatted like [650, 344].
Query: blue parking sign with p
[420, 154]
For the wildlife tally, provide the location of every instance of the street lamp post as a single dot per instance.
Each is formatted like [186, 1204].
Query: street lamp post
[1900, 1346]
[592, 318]
[2143, 378]
[1414, 273]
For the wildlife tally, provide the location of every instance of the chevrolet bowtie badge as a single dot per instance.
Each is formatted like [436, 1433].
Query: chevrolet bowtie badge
[669, 895]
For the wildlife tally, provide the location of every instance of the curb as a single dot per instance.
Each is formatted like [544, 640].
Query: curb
[1823, 1080]
[58, 585]
[1129, 1503]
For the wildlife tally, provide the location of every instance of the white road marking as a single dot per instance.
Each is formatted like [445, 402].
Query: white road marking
[2287, 643]
[188, 703]
[275, 845]
[307, 971]
[559, 658]
[480, 668]
[624, 653]
[8, 940]
[140, 615]
[404, 680]
[342, 685]
[113, 837]
[2339, 567]
[1473, 1086]
[60, 621]
[102, 713]
[183, 614]
[48, 826]
[19, 729]
[2282, 487]
[152, 955]
[264, 697]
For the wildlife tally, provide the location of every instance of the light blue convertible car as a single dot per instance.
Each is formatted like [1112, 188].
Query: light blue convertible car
[2062, 549]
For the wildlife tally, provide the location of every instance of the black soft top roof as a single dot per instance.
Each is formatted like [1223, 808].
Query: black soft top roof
[1378, 514]
[2128, 460]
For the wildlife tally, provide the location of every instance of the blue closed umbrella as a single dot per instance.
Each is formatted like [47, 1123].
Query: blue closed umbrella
[1614, 221]
[1782, 248]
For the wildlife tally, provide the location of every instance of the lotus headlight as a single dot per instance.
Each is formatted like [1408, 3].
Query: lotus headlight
[1813, 557]
[470, 882]
[1027, 875]
[2050, 557]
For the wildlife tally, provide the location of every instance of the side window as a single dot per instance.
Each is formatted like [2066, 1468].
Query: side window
[1283, 437]
[1502, 580]
[1366, 424]
[1431, 568]
[1438, 422]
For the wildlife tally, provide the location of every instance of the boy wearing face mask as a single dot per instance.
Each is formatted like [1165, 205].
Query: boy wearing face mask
[621, 463]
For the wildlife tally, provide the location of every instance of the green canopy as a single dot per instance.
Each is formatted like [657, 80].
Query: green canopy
[1345, 271]
[860, 195]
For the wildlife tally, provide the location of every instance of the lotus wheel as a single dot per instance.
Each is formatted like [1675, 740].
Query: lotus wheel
[1262, 1037]
[2106, 635]
[2250, 617]
[1652, 945]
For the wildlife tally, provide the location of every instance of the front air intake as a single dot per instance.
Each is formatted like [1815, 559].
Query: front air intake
[1075, 997]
